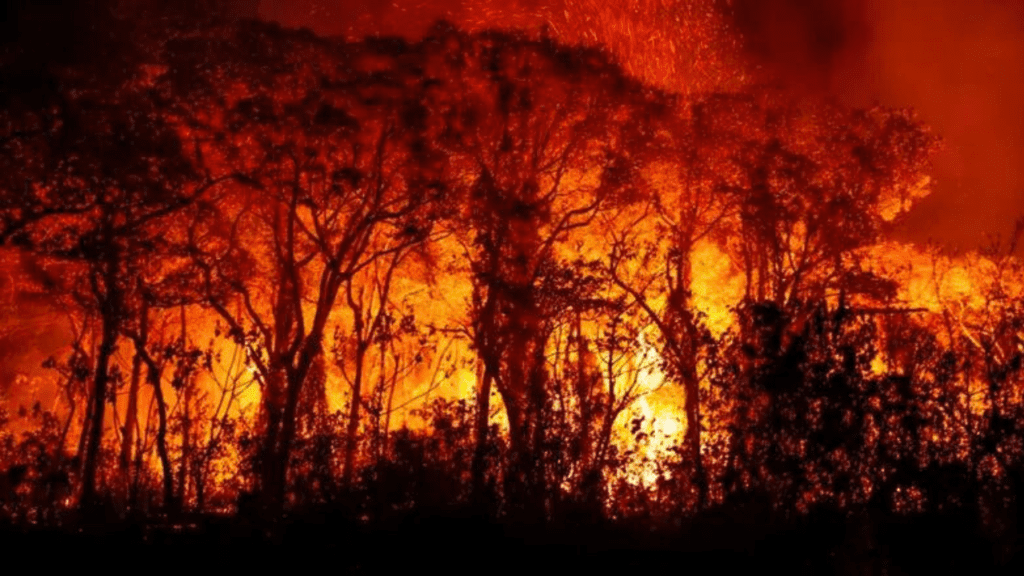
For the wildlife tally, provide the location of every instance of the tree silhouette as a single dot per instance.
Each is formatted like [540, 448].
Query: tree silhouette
[237, 201]
[94, 175]
[543, 138]
[651, 251]
[813, 183]
[340, 173]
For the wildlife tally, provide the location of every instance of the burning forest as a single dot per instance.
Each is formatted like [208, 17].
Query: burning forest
[572, 273]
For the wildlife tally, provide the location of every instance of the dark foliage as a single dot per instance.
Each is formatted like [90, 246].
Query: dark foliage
[284, 184]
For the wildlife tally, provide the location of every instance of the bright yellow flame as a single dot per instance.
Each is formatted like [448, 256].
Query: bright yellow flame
[654, 424]
[717, 287]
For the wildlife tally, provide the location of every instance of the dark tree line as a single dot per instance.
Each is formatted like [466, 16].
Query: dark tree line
[244, 209]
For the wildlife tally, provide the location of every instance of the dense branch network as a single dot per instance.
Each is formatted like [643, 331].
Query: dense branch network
[283, 222]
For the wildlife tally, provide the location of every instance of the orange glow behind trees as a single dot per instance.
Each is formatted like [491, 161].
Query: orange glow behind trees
[493, 269]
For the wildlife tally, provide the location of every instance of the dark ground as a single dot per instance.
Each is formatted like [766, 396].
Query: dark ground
[716, 542]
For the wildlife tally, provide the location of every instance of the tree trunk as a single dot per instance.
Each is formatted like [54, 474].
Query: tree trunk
[525, 396]
[483, 410]
[296, 380]
[186, 425]
[584, 386]
[683, 323]
[281, 432]
[161, 440]
[99, 401]
[271, 490]
[154, 373]
[353, 416]
[131, 414]
[692, 439]
[386, 446]
[131, 417]
[186, 447]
